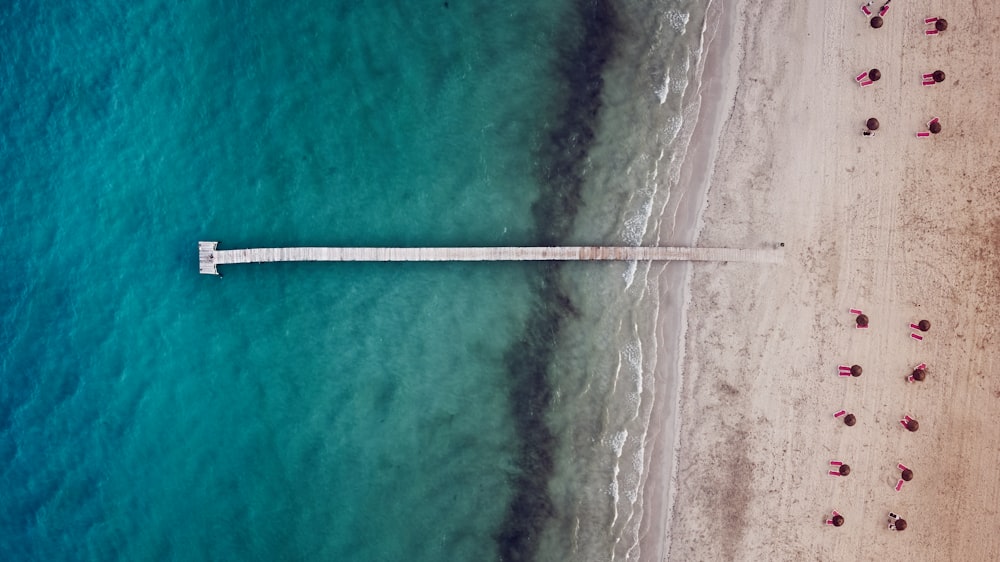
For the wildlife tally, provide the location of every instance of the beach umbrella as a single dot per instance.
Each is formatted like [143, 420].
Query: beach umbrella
[875, 74]
[939, 76]
[919, 374]
[935, 128]
[925, 325]
[907, 475]
[901, 524]
[856, 370]
[844, 469]
[862, 320]
[872, 124]
[877, 22]
[850, 420]
[838, 520]
[912, 425]
[941, 24]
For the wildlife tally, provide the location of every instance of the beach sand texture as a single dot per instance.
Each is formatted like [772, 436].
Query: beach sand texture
[904, 228]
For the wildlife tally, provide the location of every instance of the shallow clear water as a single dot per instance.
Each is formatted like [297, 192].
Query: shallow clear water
[320, 411]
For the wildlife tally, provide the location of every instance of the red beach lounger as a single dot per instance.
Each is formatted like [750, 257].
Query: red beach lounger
[867, 83]
[929, 123]
[902, 423]
[914, 326]
[917, 337]
[921, 366]
[911, 379]
[920, 135]
[899, 485]
[834, 473]
[845, 373]
[835, 463]
[840, 413]
[929, 75]
[884, 10]
[859, 78]
[856, 311]
[930, 32]
[865, 10]
[901, 466]
[930, 82]
[929, 21]
[844, 367]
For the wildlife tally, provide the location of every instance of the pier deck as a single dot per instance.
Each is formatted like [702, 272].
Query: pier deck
[210, 257]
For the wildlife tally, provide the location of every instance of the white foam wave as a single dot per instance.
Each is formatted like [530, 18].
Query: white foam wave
[678, 20]
[618, 442]
[663, 89]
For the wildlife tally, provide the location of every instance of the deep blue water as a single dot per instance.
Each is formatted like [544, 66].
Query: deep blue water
[285, 411]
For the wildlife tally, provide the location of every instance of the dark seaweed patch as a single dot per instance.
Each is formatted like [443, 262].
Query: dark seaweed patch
[573, 132]
[528, 361]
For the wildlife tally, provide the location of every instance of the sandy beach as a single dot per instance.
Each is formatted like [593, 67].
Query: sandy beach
[901, 227]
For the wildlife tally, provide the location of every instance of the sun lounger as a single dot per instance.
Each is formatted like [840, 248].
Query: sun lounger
[840, 413]
[930, 32]
[899, 485]
[921, 135]
[884, 10]
[866, 83]
[927, 82]
[921, 366]
[866, 10]
[929, 123]
[835, 463]
[929, 21]
[911, 379]
[917, 337]
[845, 373]
[901, 466]
[856, 311]
[912, 325]
[844, 367]
[929, 75]
[834, 473]
[903, 423]
[907, 418]
[859, 78]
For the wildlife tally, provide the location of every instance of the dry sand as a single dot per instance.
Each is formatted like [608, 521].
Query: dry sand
[901, 227]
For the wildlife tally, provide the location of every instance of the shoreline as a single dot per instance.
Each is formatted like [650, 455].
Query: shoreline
[714, 92]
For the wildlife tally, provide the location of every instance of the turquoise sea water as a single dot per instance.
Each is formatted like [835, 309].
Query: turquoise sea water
[319, 411]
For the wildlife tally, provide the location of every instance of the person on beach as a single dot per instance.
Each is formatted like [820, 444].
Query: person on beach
[896, 523]
[867, 133]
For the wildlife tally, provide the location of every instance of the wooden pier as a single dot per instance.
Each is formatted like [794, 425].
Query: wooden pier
[210, 257]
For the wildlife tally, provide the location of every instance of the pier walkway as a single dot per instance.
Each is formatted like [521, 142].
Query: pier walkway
[210, 257]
